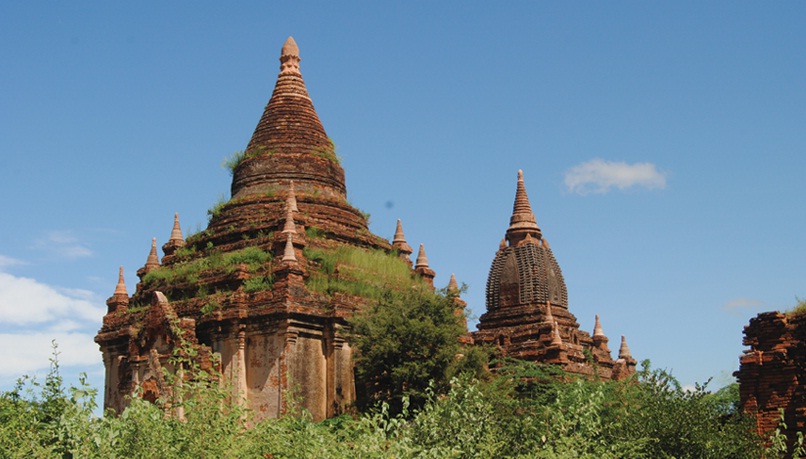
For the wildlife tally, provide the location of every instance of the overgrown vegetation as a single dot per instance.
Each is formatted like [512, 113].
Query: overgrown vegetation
[356, 271]
[426, 397]
[648, 417]
[407, 343]
[188, 272]
[232, 161]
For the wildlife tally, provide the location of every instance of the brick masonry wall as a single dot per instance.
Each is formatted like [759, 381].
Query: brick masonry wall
[772, 372]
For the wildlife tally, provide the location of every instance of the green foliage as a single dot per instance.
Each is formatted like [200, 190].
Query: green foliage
[647, 417]
[313, 232]
[359, 272]
[232, 161]
[407, 343]
[257, 284]
[187, 272]
[799, 308]
[215, 211]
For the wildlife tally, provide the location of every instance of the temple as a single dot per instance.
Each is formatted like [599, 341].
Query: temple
[265, 293]
[527, 305]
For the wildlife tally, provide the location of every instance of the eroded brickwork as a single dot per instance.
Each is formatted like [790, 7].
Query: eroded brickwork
[772, 372]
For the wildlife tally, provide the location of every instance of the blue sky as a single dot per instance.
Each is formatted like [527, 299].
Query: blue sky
[662, 145]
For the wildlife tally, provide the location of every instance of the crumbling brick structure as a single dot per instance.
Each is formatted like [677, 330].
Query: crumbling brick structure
[263, 294]
[772, 372]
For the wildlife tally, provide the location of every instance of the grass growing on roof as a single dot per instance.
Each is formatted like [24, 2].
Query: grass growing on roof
[357, 271]
[188, 272]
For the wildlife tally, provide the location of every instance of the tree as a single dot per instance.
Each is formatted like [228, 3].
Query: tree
[406, 341]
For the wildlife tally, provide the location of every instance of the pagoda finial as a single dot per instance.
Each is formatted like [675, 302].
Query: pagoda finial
[289, 57]
[453, 286]
[399, 241]
[288, 254]
[522, 222]
[152, 261]
[624, 350]
[597, 328]
[422, 259]
[292, 197]
[120, 289]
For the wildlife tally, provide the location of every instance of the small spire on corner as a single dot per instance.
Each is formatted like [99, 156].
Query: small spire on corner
[422, 259]
[153, 260]
[120, 288]
[288, 254]
[624, 350]
[597, 328]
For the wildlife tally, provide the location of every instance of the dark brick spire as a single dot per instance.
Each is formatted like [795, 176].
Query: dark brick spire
[290, 123]
[522, 223]
[289, 142]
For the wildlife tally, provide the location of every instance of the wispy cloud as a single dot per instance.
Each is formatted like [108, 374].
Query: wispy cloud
[600, 176]
[28, 301]
[737, 305]
[5, 262]
[64, 244]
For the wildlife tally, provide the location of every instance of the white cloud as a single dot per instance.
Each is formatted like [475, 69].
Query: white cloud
[28, 301]
[64, 244]
[600, 176]
[30, 352]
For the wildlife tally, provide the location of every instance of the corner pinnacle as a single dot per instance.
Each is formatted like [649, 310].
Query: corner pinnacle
[120, 288]
[597, 328]
[422, 259]
[624, 350]
[153, 260]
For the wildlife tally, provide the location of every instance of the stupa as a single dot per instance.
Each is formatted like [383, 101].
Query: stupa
[263, 287]
[527, 305]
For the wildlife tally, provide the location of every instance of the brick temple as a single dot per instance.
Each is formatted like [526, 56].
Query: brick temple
[265, 293]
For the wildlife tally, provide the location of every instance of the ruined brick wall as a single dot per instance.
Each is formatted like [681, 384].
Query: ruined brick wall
[772, 371]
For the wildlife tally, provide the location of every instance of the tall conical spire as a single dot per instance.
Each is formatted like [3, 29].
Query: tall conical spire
[289, 142]
[522, 222]
[289, 123]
